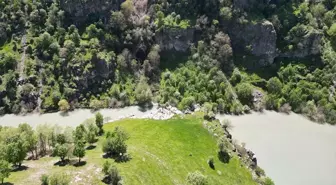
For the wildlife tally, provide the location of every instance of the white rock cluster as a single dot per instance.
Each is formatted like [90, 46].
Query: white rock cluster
[158, 113]
[162, 113]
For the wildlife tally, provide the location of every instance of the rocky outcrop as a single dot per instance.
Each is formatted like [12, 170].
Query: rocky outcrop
[258, 39]
[244, 4]
[310, 44]
[79, 10]
[177, 39]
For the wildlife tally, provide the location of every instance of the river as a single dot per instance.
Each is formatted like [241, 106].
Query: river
[73, 118]
[291, 149]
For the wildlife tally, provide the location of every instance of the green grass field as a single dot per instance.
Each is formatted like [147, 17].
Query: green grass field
[163, 152]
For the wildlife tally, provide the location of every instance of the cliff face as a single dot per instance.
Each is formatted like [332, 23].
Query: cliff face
[259, 39]
[175, 39]
[79, 10]
[310, 44]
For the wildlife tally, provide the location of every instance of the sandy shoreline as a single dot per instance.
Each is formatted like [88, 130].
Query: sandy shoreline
[291, 149]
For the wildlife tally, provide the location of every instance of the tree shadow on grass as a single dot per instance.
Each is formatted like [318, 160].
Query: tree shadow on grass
[79, 164]
[62, 163]
[91, 147]
[118, 158]
[21, 168]
[7, 183]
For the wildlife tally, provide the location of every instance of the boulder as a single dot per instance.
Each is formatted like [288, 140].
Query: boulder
[258, 39]
[177, 39]
[310, 44]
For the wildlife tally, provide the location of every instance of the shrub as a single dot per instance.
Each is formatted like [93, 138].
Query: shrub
[246, 109]
[268, 181]
[285, 108]
[63, 105]
[59, 178]
[244, 92]
[187, 103]
[115, 142]
[44, 179]
[223, 152]
[226, 124]
[274, 85]
[259, 171]
[196, 178]
[111, 172]
[143, 93]
[313, 113]
[96, 104]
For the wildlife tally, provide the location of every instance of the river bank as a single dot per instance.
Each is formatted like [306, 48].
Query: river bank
[78, 116]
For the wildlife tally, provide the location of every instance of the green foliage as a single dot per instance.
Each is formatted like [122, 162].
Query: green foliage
[61, 150]
[115, 142]
[143, 93]
[99, 122]
[79, 150]
[4, 170]
[268, 181]
[44, 179]
[196, 178]
[274, 85]
[112, 174]
[59, 178]
[332, 31]
[244, 92]
[63, 105]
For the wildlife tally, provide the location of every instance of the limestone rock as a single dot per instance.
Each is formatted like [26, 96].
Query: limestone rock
[309, 45]
[175, 38]
[257, 38]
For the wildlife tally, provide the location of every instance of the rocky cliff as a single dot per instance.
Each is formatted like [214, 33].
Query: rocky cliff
[310, 44]
[258, 39]
[177, 39]
[80, 10]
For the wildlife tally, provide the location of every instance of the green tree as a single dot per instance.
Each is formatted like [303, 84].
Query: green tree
[100, 122]
[29, 137]
[16, 150]
[274, 85]
[112, 173]
[63, 105]
[332, 31]
[4, 170]
[244, 92]
[61, 150]
[79, 150]
[143, 93]
[115, 142]
[127, 8]
[79, 133]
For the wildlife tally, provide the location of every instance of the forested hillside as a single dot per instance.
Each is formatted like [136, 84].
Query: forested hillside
[229, 56]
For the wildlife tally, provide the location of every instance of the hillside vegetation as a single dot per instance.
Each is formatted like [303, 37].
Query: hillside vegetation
[231, 55]
[161, 152]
